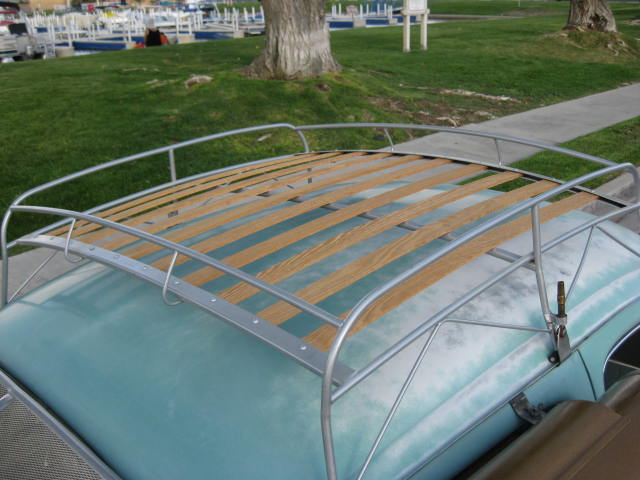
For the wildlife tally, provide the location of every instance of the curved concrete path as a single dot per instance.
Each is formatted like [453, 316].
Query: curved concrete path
[553, 124]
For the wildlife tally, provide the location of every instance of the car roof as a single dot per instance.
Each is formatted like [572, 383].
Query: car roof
[165, 391]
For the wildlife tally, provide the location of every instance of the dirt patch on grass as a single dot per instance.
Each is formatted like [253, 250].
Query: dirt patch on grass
[611, 43]
[467, 93]
[445, 113]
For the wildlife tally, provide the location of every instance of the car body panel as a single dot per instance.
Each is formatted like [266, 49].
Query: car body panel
[168, 392]
[160, 384]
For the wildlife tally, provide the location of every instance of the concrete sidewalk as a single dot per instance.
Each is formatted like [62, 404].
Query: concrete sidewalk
[553, 124]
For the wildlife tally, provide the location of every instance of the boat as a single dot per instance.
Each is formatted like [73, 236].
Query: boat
[339, 313]
[18, 41]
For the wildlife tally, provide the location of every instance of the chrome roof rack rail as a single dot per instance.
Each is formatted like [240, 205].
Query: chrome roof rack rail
[323, 180]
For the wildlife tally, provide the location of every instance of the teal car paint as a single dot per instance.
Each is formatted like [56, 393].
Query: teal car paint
[153, 367]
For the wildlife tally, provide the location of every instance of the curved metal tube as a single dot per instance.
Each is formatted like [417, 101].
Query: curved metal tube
[440, 316]
[30, 277]
[150, 153]
[587, 246]
[463, 131]
[391, 145]
[4, 252]
[212, 262]
[495, 140]
[363, 304]
[167, 278]
[66, 245]
[4, 247]
[303, 139]
[398, 400]
[537, 259]
[299, 130]
[471, 234]
[326, 396]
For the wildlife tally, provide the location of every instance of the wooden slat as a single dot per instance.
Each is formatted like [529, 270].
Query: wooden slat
[224, 181]
[217, 192]
[206, 182]
[261, 184]
[276, 273]
[211, 222]
[123, 210]
[349, 274]
[294, 235]
[324, 336]
[387, 173]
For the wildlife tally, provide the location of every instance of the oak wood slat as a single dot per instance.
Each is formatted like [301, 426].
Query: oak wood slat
[260, 186]
[281, 311]
[123, 210]
[386, 173]
[276, 273]
[260, 203]
[207, 182]
[323, 337]
[261, 180]
[207, 274]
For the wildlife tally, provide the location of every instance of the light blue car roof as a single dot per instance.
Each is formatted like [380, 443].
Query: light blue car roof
[172, 392]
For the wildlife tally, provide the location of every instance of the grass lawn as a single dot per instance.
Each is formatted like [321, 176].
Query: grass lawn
[62, 115]
[619, 143]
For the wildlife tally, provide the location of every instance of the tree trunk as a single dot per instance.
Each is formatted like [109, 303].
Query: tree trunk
[297, 43]
[591, 15]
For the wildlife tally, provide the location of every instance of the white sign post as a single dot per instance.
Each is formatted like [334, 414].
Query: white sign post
[414, 7]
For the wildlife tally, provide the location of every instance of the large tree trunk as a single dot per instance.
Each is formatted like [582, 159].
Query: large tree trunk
[297, 43]
[591, 15]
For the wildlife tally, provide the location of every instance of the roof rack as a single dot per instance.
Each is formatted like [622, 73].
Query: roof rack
[178, 225]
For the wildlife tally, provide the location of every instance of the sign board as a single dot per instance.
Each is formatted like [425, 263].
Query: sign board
[417, 8]
[413, 7]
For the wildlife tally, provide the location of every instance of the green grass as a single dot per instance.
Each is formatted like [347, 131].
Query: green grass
[62, 115]
[482, 7]
[619, 143]
[503, 7]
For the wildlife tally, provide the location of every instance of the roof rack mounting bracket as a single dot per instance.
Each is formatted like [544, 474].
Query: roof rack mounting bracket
[525, 410]
[559, 329]
[66, 245]
[167, 278]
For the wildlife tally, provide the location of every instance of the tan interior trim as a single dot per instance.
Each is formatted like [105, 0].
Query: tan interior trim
[576, 440]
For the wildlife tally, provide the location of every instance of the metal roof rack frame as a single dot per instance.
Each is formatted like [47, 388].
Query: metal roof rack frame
[337, 378]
